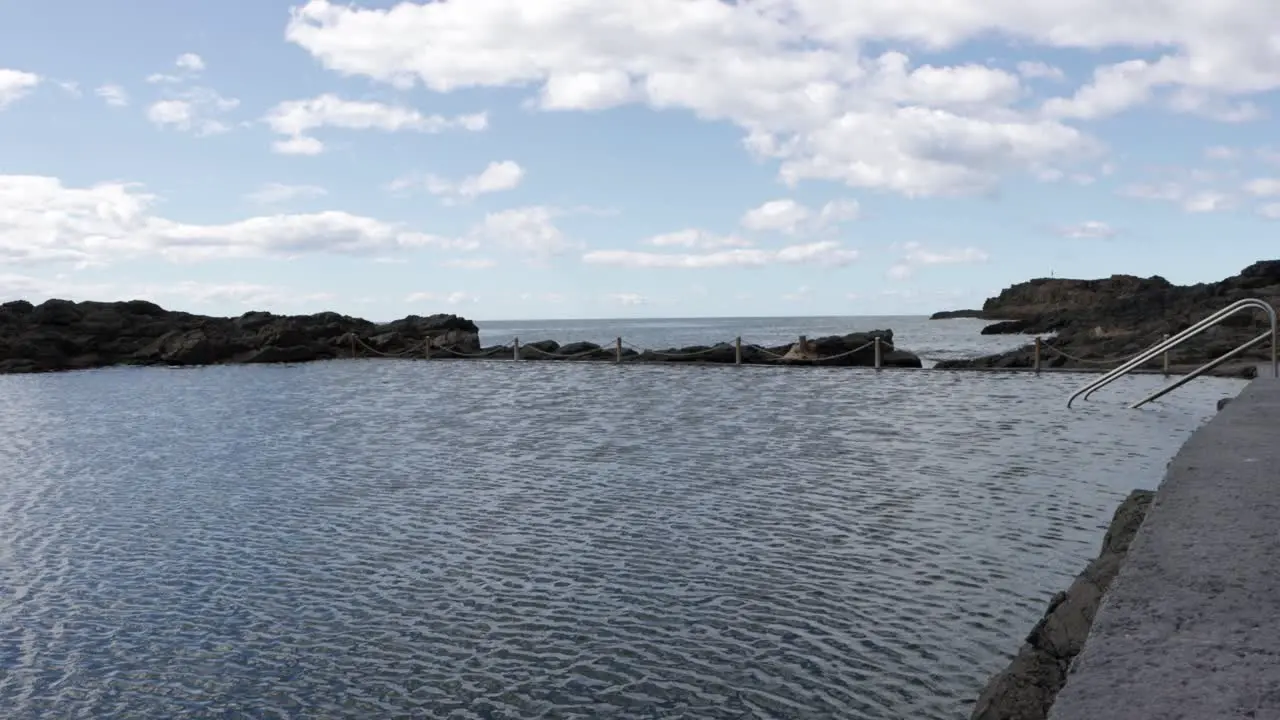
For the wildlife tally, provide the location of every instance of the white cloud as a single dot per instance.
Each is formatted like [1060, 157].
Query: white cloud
[1035, 70]
[1271, 211]
[780, 215]
[113, 95]
[1184, 194]
[694, 238]
[496, 177]
[1089, 229]
[1208, 201]
[15, 84]
[530, 231]
[296, 118]
[916, 255]
[190, 62]
[628, 299]
[456, 297]
[828, 253]
[276, 193]
[1263, 187]
[791, 218]
[470, 263]
[787, 72]
[44, 221]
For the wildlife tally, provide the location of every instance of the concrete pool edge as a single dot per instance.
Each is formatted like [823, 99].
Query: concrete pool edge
[1054, 674]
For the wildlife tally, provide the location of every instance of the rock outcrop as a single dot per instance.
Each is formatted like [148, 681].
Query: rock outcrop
[65, 335]
[854, 349]
[954, 314]
[1025, 690]
[1122, 315]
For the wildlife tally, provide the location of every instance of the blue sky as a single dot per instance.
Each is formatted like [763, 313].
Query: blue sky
[566, 158]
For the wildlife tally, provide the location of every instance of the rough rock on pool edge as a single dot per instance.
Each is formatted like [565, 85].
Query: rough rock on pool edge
[1026, 689]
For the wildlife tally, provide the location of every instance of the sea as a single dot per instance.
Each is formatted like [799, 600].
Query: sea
[483, 539]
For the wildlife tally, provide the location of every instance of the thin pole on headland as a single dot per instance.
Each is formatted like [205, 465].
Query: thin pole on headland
[515, 349]
[1035, 359]
[617, 350]
[426, 348]
[1165, 360]
[879, 352]
[737, 350]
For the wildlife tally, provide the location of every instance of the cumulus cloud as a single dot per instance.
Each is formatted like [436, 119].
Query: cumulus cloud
[693, 238]
[530, 231]
[45, 221]
[295, 119]
[828, 253]
[791, 218]
[193, 110]
[792, 74]
[1263, 187]
[15, 84]
[1089, 229]
[495, 177]
[916, 255]
[113, 95]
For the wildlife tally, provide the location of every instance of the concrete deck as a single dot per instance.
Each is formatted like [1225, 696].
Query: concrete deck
[1191, 625]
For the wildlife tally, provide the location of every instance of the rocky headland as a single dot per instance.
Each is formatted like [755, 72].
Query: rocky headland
[1026, 689]
[1121, 315]
[64, 335]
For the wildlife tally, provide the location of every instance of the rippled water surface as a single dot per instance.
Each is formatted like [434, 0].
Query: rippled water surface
[377, 539]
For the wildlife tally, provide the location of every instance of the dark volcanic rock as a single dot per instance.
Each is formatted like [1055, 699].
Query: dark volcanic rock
[955, 314]
[1025, 690]
[1122, 315]
[64, 335]
[851, 350]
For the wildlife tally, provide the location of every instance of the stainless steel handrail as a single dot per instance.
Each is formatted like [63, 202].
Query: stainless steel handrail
[1170, 343]
[1199, 371]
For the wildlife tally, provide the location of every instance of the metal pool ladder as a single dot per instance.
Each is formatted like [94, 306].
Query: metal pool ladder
[1176, 340]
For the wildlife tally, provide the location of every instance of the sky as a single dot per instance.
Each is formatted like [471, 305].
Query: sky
[513, 159]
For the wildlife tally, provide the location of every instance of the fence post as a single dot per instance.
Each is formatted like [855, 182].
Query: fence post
[1036, 357]
[879, 357]
[617, 350]
[737, 351]
[515, 349]
[1166, 357]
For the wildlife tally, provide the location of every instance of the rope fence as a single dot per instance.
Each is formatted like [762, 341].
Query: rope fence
[1041, 346]
[623, 351]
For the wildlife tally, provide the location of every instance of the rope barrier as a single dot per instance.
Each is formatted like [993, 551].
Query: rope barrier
[562, 356]
[403, 353]
[424, 349]
[697, 353]
[1087, 361]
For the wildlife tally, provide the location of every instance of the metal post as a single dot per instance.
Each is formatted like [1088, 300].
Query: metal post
[878, 352]
[1166, 357]
[1036, 357]
[426, 348]
[737, 351]
[515, 349]
[617, 350]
